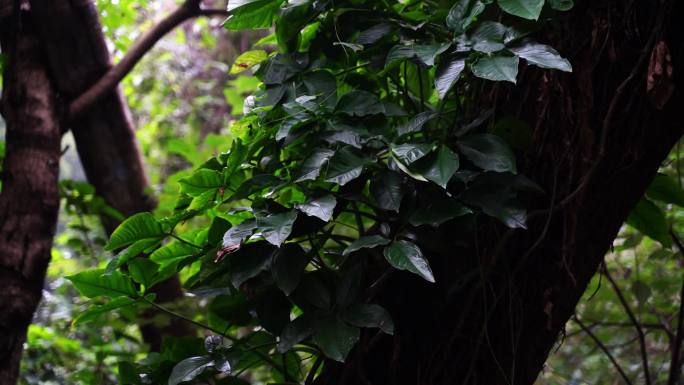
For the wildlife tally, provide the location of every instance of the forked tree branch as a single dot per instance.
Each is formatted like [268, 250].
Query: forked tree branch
[640, 331]
[188, 10]
[604, 349]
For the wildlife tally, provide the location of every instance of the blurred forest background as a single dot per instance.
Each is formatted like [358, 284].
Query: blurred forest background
[184, 98]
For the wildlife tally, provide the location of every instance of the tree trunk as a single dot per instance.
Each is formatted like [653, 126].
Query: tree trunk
[105, 139]
[600, 135]
[30, 199]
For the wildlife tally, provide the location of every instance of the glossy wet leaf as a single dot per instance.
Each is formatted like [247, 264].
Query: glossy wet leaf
[345, 166]
[405, 255]
[369, 241]
[311, 167]
[387, 190]
[321, 208]
[189, 368]
[542, 56]
[275, 228]
[497, 68]
[410, 152]
[439, 167]
[448, 73]
[527, 9]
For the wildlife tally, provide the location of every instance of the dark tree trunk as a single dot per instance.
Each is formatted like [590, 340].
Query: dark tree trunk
[498, 308]
[105, 139]
[30, 199]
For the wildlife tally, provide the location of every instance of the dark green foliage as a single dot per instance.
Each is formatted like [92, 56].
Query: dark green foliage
[364, 129]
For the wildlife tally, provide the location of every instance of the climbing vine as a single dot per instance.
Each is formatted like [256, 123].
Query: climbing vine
[365, 130]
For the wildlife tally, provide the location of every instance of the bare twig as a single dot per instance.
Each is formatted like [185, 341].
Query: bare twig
[188, 10]
[635, 322]
[675, 361]
[604, 349]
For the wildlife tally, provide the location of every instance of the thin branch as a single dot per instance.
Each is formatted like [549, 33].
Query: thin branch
[604, 349]
[261, 355]
[108, 82]
[635, 322]
[675, 361]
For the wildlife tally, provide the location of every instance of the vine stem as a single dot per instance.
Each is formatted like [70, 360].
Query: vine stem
[261, 355]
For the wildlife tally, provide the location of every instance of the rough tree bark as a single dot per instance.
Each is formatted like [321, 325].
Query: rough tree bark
[78, 57]
[497, 309]
[30, 170]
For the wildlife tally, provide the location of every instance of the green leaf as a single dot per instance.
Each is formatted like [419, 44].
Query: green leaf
[171, 253]
[650, 220]
[200, 181]
[275, 228]
[143, 271]
[321, 208]
[562, 5]
[374, 33]
[345, 166]
[488, 152]
[248, 60]
[273, 311]
[541, 55]
[335, 337]
[288, 265]
[135, 249]
[369, 316]
[311, 167]
[387, 190]
[488, 37]
[438, 211]
[189, 368]
[359, 103]
[292, 18]
[428, 53]
[462, 14]
[641, 291]
[251, 14]
[448, 73]
[405, 255]
[219, 226]
[399, 53]
[527, 9]
[249, 262]
[322, 84]
[234, 309]
[369, 242]
[93, 283]
[295, 332]
[417, 123]
[236, 235]
[142, 226]
[497, 68]
[515, 132]
[411, 152]
[439, 167]
[665, 189]
[95, 310]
